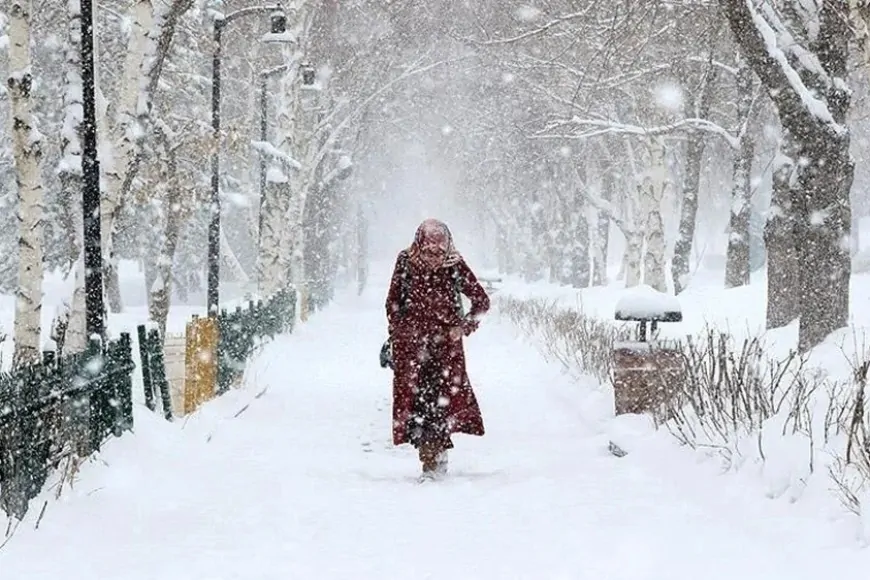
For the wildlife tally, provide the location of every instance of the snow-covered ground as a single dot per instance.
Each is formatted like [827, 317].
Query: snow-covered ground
[293, 476]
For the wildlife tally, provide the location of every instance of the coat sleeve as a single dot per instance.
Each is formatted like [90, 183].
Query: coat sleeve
[475, 292]
[394, 295]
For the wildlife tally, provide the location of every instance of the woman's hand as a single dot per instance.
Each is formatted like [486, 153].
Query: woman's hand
[465, 328]
[469, 325]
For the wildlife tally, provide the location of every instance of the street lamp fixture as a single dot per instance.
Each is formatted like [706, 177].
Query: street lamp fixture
[308, 74]
[278, 27]
[278, 22]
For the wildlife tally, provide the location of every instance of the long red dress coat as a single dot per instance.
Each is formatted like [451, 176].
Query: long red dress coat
[430, 313]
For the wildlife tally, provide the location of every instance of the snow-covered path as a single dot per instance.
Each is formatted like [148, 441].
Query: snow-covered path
[300, 482]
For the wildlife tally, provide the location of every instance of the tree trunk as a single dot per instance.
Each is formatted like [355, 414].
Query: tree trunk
[153, 31]
[688, 211]
[160, 292]
[124, 145]
[602, 233]
[272, 261]
[737, 257]
[783, 300]
[578, 256]
[695, 144]
[816, 128]
[823, 224]
[362, 251]
[26, 143]
[74, 337]
[652, 193]
[632, 258]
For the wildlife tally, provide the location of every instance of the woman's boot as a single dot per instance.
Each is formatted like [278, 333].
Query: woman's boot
[429, 458]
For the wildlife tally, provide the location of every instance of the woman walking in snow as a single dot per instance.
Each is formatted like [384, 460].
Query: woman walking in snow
[432, 396]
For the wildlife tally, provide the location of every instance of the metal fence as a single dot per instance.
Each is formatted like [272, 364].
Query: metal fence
[59, 407]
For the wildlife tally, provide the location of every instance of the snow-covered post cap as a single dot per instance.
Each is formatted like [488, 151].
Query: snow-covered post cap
[646, 304]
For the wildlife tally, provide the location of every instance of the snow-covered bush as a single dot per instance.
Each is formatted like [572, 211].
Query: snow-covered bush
[576, 340]
[851, 470]
[737, 401]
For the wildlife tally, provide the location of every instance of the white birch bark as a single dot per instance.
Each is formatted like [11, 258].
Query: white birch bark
[26, 142]
[632, 260]
[652, 192]
[124, 135]
[70, 173]
[305, 148]
[274, 252]
[153, 30]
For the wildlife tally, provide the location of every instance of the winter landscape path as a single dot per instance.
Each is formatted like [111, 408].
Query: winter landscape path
[293, 477]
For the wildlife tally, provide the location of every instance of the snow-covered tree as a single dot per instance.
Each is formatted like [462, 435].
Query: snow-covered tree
[799, 50]
[27, 151]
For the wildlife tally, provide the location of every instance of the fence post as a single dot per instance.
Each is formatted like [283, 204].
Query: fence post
[91, 369]
[226, 337]
[200, 362]
[158, 372]
[124, 382]
[75, 404]
[145, 365]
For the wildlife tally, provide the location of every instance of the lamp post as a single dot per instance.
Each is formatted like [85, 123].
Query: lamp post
[278, 25]
[94, 308]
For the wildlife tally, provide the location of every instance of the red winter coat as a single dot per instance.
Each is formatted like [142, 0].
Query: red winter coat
[430, 313]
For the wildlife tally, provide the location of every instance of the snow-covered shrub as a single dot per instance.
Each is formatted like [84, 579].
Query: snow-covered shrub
[851, 470]
[736, 400]
[732, 389]
[578, 341]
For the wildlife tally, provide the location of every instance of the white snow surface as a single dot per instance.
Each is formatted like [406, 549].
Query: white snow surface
[294, 476]
[645, 302]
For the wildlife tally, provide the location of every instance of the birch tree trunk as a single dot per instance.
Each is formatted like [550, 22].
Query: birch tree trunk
[652, 194]
[578, 257]
[602, 233]
[124, 136]
[737, 257]
[695, 143]
[26, 142]
[688, 211]
[273, 255]
[153, 28]
[74, 339]
[632, 259]
[160, 292]
[306, 148]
